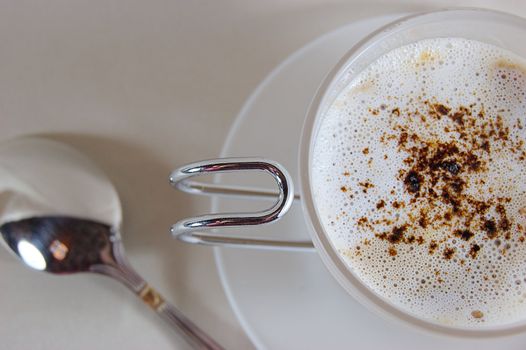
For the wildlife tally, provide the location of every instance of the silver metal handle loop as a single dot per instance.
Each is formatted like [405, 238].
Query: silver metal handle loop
[185, 230]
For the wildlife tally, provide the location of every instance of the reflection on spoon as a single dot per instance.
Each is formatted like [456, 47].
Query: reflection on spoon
[59, 213]
[31, 255]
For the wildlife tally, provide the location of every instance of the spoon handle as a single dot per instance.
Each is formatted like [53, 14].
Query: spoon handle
[118, 267]
[193, 334]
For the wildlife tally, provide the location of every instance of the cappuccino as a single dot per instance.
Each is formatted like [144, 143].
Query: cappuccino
[419, 180]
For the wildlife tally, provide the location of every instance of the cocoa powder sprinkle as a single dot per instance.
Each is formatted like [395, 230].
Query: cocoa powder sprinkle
[436, 176]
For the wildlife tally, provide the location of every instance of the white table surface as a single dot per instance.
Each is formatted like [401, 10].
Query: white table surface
[141, 87]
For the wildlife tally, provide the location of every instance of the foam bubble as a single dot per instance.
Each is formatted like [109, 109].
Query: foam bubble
[419, 180]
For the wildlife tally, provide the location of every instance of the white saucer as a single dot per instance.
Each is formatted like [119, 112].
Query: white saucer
[288, 300]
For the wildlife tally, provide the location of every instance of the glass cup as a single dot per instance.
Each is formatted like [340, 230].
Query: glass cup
[499, 29]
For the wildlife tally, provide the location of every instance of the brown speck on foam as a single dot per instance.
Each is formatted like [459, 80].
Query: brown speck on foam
[423, 220]
[398, 205]
[490, 227]
[364, 223]
[474, 250]
[392, 251]
[477, 314]
[448, 253]
[426, 56]
[374, 111]
[395, 236]
[440, 109]
[432, 247]
[463, 234]
[366, 185]
[413, 181]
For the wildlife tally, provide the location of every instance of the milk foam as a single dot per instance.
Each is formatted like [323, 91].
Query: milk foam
[458, 258]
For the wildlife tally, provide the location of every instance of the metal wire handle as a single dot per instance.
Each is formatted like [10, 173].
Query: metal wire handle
[185, 230]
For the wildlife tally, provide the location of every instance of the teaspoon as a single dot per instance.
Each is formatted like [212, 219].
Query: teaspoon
[59, 213]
